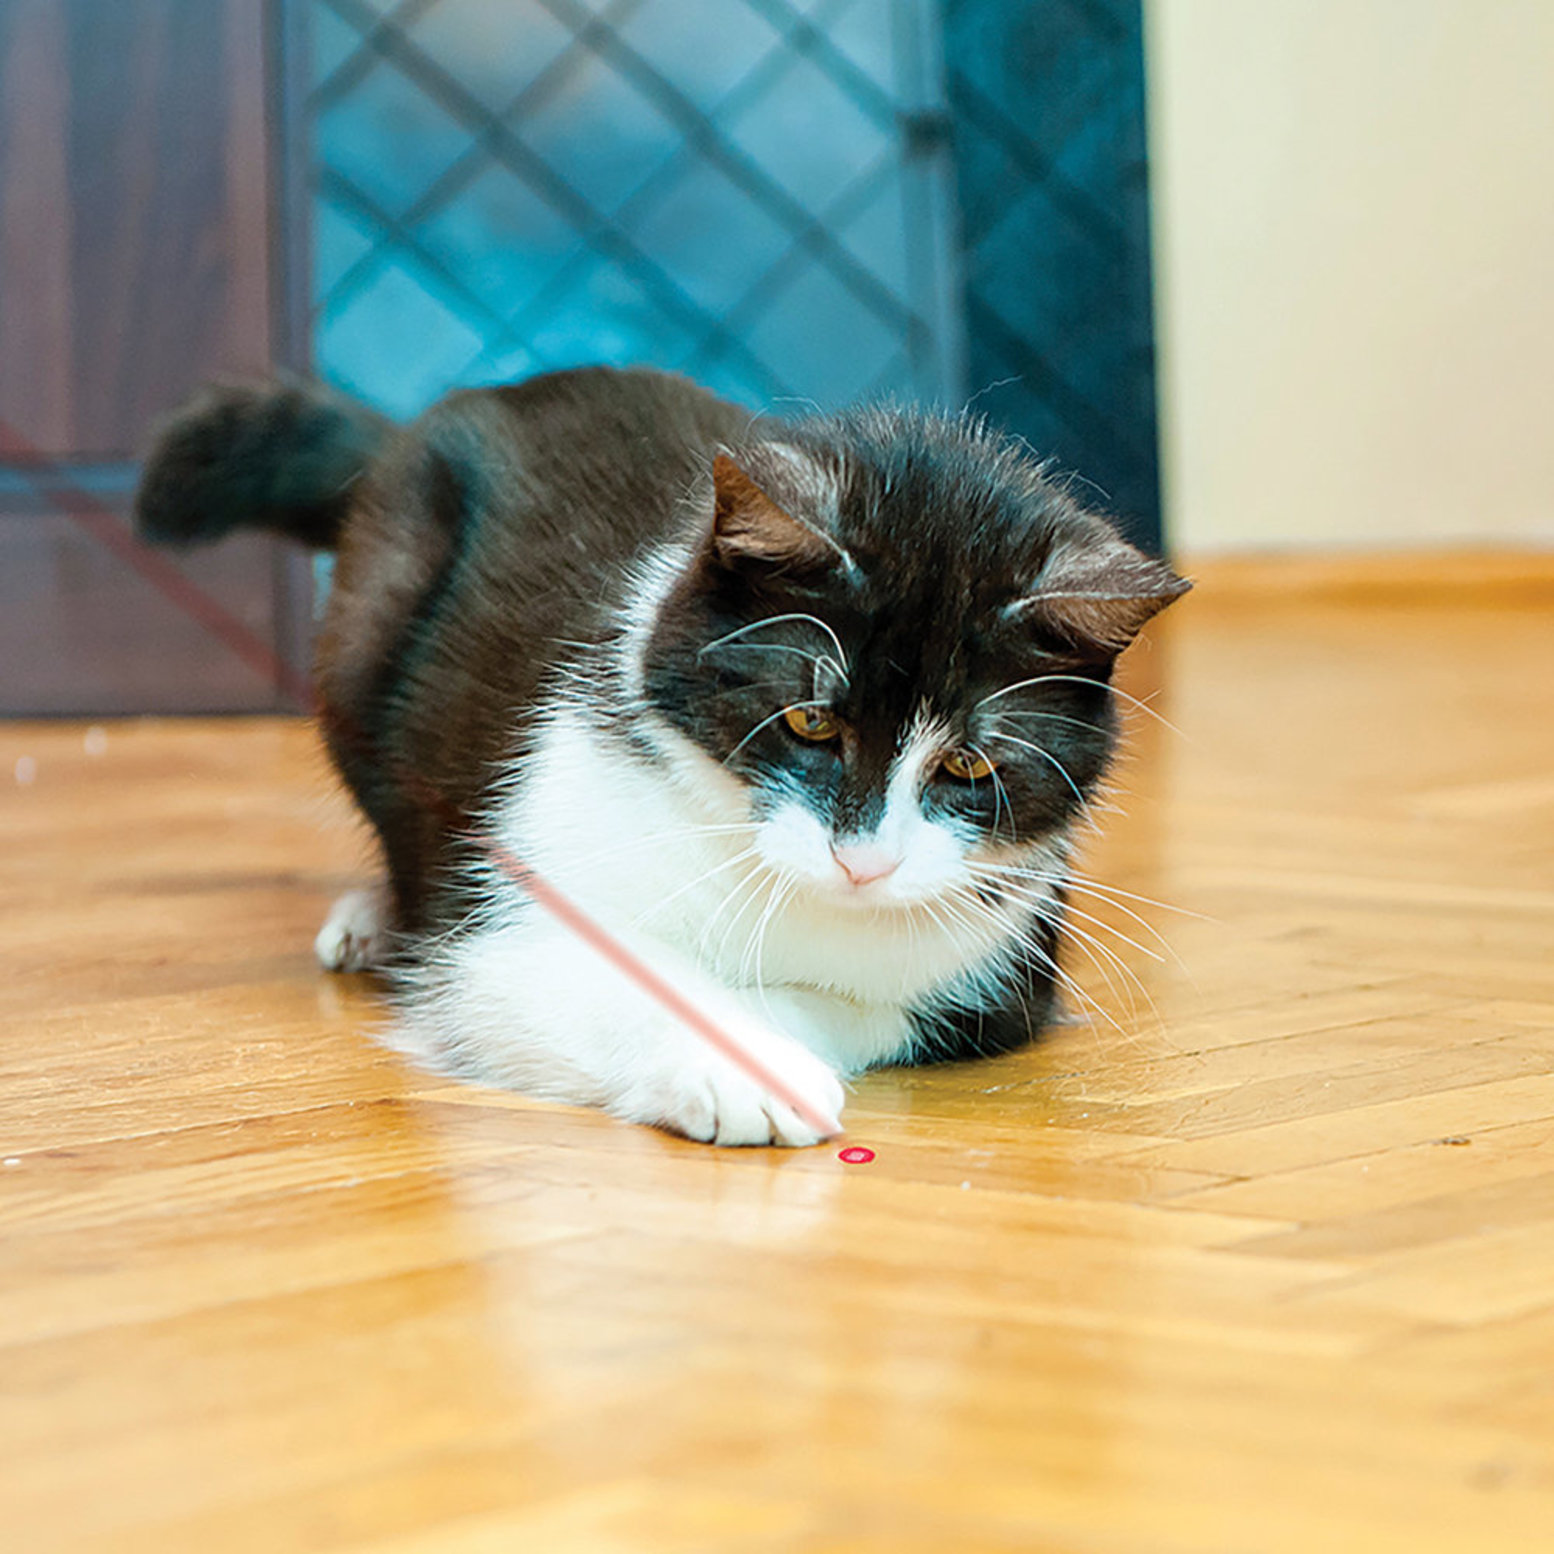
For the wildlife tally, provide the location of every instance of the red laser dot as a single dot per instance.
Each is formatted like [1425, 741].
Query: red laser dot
[856, 1155]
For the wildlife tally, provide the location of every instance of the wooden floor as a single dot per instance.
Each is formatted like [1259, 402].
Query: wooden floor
[1263, 1260]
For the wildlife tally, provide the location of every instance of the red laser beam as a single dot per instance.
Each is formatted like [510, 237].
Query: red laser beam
[105, 526]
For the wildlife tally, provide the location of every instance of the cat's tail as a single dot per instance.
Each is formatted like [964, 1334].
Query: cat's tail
[281, 456]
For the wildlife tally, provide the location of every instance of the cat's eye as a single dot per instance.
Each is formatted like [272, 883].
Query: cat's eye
[812, 724]
[967, 765]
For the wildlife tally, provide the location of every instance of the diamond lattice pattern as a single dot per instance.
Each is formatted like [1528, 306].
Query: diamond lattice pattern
[732, 188]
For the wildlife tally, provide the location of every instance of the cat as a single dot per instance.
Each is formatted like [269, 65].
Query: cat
[806, 712]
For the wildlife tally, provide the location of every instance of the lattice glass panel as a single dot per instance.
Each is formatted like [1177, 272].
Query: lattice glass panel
[1048, 105]
[752, 191]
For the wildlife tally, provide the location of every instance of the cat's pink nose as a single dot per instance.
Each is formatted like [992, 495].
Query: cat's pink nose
[863, 862]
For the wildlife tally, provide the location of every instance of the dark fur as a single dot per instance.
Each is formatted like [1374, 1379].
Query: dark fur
[257, 456]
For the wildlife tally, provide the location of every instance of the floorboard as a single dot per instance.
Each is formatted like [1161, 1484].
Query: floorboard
[1257, 1254]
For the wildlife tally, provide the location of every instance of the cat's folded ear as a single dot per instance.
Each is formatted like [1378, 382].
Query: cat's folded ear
[752, 532]
[1098, 596]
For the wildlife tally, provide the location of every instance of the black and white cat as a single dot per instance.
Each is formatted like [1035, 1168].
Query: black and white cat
[806, 713]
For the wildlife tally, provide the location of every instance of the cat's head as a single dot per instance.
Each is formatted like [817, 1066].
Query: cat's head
[897, 636]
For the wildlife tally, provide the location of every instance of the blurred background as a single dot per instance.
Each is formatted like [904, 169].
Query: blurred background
[1270, 274]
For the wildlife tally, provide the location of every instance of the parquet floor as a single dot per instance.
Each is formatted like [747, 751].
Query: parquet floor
[1263, 1260]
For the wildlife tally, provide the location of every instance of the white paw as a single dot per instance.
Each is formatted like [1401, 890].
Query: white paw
[355, 934]
[704, 1096]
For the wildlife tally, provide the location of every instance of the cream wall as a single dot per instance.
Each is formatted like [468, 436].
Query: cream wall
[1354, 238]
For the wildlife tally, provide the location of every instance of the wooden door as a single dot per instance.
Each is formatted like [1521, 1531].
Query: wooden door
[144, 247]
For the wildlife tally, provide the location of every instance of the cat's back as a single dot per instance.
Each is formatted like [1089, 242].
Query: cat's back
[621, 428]
[562, 482]
[490, 534]
[532, 494]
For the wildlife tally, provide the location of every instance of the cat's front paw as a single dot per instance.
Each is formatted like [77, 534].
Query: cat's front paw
[355, 935]
[711, 1100]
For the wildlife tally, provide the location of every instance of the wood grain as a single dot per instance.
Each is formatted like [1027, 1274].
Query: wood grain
[141, 253]
[1260, 1257]
[135, 259]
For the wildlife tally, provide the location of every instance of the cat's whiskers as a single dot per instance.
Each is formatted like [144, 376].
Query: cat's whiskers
[1035, 894]
[750, 881]
[788, 886]
[1044, 906]
[1046, 755]
[1092, 948]
[1000, 792]
[1040, 905]
[1027, 948]
[1065, 979]
[912, 936]
[701, 879]
[758, 880]
[964, 909]
[749, 955]
[793, 617]
[1160, 956]
[1054, 717]
[961, 932]
[1021, 685]
[931, 913]
[1079, 679]
[767, 722]
[1024, 889]
[821, 661]
[1107, 894]
[1098, 888]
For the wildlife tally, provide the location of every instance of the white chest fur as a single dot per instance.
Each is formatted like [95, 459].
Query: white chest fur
[669, 852]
